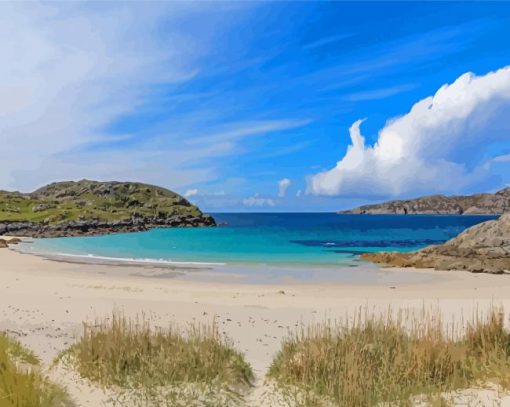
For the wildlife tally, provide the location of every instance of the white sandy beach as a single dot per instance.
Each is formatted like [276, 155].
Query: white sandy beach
[43, 304]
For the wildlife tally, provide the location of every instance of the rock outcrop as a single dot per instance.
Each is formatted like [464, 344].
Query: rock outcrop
[4, 243]
[483, 248]
[90, 207]
[478, 204]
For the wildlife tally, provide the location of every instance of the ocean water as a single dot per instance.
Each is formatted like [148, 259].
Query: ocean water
[275, 239]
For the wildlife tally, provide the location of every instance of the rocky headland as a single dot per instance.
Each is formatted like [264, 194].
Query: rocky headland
[477, 204]
[483, 248]
[90, 207]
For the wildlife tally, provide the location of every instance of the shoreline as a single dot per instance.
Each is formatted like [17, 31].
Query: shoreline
[43, 303]
[358, 272]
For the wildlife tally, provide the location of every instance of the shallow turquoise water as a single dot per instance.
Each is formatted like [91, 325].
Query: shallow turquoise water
[321, 239]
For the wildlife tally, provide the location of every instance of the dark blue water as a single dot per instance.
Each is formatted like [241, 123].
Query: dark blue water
[271, 238]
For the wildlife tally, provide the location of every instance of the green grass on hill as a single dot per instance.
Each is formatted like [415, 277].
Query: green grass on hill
[390, 361]
[90, 200]
[21, 382]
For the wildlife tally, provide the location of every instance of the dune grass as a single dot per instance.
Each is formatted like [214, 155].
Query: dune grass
[390, 360]
[21, 382]
[131, 354]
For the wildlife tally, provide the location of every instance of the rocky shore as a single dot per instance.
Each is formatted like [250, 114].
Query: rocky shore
[96, 227]
[483, 248]
[91, 208]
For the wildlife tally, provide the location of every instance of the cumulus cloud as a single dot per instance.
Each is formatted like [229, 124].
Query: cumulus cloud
[445, 143]
[257, 200]
[283, 185]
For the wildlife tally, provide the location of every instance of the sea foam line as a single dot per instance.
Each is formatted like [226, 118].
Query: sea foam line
[139, 260]
[129, 259]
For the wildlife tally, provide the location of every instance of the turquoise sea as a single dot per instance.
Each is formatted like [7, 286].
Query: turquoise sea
[276, 239]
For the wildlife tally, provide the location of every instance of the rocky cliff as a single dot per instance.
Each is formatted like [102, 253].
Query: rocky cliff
[490, 204]
[90, 207]
[483, 248]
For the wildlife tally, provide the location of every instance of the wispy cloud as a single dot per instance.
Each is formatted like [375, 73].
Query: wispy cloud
[73, 69]
[375, 94]
[502, 158]
[191, 192]
[291, 149]
[240, 130]
[327, 41]
[376, 60]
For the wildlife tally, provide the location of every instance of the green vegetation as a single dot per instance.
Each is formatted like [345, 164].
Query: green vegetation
[156, 363]
[390, 361]
[91, 200]
[21, 382]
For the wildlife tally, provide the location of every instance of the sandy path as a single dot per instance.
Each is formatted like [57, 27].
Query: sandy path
[43, 302]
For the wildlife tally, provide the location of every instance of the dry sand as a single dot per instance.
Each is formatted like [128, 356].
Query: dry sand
[43, 302]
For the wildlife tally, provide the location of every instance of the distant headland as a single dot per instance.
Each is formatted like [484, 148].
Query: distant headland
[477, 204]
[75, 208]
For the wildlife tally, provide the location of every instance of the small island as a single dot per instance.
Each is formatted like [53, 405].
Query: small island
[483, 248]
[75, 208]
[477, 204]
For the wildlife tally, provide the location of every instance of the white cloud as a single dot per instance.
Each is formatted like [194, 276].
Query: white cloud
[251, 129]
[71, 72]
[257, 200]
[197, 192]
[327, 41]
[283, 185]
[191, 192]
[444, 144]
[502, 158]
[299, 193]
[67, 72]
[378, 93]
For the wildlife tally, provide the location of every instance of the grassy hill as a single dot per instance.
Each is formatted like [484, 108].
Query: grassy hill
[98, 205]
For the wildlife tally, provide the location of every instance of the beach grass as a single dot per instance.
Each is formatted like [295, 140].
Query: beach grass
[391, 360]
[131, 354]
[22, 384]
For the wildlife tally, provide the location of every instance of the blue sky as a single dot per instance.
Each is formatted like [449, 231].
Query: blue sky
[248, 106]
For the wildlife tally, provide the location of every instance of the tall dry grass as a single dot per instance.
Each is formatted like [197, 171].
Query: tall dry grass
[131, 354]
[390, 360]
[21, 382]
